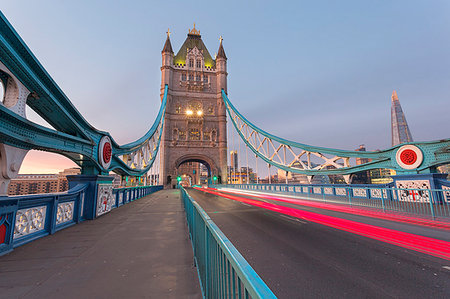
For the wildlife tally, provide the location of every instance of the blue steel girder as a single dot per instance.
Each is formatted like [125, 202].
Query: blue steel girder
[313, 160]
[46, 97]
[73, 136]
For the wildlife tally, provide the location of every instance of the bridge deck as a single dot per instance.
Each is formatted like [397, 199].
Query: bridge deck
[138, 250]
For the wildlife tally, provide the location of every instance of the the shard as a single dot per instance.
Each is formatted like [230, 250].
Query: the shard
[399, 126]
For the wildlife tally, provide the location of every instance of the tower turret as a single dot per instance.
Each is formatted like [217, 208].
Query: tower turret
[221, 66]
[167, 62]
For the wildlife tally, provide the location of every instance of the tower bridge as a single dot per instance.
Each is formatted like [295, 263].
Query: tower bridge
[195, 121]
[138, 231]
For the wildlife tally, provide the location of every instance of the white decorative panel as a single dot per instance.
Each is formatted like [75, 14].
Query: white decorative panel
[82, 204]
[120, 198]
[305, 189]
[291, 189]
[328, 190]
[341, 191]
[105, 199]
[421, 195]
[29, 221]
[65, 212]
[375, 193]
[446, 193]
[317, 190]
[360, 192]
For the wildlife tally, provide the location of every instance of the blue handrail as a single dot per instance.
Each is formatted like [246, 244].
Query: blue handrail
[223, 271]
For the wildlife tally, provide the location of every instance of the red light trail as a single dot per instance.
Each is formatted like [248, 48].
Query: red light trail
[348, 210]
[435, 247]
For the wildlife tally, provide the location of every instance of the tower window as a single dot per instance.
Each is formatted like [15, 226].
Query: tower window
[183, 77]
[198, 78]
[199, 63]
[182, 135]
[205, 78]
[194, 134]
[191, 62]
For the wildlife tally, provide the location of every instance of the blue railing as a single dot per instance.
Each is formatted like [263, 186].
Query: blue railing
[222, 270]
[422, 202]
[26, 218]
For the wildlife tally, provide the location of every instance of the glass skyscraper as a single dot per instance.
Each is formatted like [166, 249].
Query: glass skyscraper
[399, 126]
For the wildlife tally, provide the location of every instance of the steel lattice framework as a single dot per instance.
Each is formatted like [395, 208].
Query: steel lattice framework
[312, 160]
[27, 82]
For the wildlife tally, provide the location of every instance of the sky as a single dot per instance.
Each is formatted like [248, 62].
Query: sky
[315, 72]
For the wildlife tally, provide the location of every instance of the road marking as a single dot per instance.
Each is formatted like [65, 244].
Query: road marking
[293, 219]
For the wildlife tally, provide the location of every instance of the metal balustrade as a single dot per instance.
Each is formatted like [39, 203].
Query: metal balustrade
[222, 270]
[26, 218]
[434, 203]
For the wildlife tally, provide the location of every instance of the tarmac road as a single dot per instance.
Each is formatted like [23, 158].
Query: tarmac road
[302, 259]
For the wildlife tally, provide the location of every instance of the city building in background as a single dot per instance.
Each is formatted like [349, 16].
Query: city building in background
[242, 176]
[234, 160]
[363, 176]
[292, 177]
[399, 127]
[41, 183]
[381, 176]
[444, 168]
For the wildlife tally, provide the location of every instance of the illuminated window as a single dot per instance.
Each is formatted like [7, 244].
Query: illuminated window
[194, 134]
[199, 63]
[181, 135]
[183, 77]
[211, 110]
[178, 109]
[191, 62]
[206, 136]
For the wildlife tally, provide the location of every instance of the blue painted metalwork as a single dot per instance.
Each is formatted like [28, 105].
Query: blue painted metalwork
[30, 217]
[287, 155]
[222, 270]
[421, 202]
[73, 136]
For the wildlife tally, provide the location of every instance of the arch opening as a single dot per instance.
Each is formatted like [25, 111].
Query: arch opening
[192, 172]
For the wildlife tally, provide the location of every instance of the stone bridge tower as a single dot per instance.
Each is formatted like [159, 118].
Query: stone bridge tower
[195, 119]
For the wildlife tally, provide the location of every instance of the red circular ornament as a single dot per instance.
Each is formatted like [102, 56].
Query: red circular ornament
[408, 157]
[107, 152]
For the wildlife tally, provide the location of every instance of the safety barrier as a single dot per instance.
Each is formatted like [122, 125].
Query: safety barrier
[222, 270]
[26, 218]
[432, 203]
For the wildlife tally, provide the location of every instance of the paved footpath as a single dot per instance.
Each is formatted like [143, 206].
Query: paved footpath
[140, 250]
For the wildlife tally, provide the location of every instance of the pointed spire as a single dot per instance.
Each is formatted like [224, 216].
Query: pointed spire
[394, 96]
[167, 46]
[221, 51]
[399, 127]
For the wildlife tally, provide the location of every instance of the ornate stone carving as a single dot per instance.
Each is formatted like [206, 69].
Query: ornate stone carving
[341, 191]
[105, 199]
[421, 194]
[360, 192]
[29, 221]
[65, 212]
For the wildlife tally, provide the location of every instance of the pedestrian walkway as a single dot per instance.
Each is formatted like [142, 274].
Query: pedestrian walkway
[140, 250]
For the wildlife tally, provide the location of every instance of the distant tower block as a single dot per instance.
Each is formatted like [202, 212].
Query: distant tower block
[195, 121]
[399, 126]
